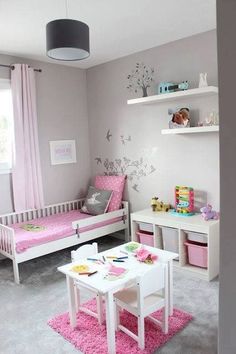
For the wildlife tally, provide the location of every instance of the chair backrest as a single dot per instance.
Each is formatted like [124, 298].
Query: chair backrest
[152, 281]
[84, 251]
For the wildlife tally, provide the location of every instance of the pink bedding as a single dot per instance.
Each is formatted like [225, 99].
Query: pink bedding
[54, 227]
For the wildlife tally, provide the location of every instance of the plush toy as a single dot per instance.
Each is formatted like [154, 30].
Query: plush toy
[144, 255]
[180, 119]
[159, 205]
[208, 213]
[154, 203]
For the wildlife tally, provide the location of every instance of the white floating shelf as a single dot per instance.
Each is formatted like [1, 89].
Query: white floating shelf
[196, 92]
[210, 129]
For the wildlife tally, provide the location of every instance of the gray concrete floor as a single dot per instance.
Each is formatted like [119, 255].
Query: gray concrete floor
[26, 308]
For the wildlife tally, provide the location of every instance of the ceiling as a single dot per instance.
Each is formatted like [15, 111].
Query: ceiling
[117, 27]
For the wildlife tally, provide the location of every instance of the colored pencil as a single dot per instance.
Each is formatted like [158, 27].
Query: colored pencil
[118, 260]
[92, 273]
[92, 259]
[84, 273]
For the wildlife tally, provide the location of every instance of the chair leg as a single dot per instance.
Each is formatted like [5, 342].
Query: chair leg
[117, 317]
[165, 311]
[16, 272]
[77, 298]
[99, 308]
[141, 340]
[165, 320]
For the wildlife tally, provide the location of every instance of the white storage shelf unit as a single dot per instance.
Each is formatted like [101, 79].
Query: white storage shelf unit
[175, 96]
[182, 225]
[196, 92]
[191, 130]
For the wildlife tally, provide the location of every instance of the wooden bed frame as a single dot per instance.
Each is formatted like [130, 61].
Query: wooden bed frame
[7, 239]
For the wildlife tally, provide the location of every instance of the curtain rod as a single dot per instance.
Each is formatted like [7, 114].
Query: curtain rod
[12, 67]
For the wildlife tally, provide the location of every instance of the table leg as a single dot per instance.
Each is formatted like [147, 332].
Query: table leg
[170, 277]
[72, 302]
[110, 323]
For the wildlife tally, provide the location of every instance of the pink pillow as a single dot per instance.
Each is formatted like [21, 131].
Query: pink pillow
[114, 183]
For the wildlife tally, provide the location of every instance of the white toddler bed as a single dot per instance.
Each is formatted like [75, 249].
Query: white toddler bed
[59, 226]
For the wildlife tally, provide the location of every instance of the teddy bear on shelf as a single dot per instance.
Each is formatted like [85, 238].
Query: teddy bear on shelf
[208, 213]
[159, 205]
[180, 119]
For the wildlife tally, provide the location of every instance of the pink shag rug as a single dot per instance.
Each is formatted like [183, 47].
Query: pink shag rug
[90, 338]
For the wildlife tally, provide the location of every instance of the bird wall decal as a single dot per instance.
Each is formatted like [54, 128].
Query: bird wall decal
[98, 160]
[109, 135]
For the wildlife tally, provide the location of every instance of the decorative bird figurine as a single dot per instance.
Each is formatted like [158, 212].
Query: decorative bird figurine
[109, 135]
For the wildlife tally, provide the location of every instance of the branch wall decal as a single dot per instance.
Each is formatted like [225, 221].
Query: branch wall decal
[134, 169]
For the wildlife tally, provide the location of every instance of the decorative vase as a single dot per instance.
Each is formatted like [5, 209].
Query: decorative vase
[203, 80]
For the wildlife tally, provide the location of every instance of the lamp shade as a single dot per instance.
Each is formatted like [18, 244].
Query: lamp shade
[67, 40]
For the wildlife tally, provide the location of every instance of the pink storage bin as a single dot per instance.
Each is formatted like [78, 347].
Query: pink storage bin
[146, 238]
[197, 254]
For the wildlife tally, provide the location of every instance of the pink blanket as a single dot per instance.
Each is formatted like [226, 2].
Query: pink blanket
[53, 228]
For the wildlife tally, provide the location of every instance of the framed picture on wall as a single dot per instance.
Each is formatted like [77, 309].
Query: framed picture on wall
[62, 152]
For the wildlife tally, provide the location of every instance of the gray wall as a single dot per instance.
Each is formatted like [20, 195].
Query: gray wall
[227, 78]
[189, 160]
[62, 114]
[158, 162]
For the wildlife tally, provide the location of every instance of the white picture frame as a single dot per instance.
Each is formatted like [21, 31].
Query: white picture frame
[62, 152]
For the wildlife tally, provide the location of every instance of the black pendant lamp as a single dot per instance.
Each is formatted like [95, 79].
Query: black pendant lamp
[67, 39]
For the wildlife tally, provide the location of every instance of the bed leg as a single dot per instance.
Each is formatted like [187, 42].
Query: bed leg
[16, 272]
[127, 230]
[127, 235]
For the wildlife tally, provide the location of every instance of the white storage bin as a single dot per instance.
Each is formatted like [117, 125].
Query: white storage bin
[170, 239]
[143, 226]
[196, 237]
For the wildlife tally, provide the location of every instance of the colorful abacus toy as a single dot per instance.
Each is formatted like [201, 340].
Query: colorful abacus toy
[184, 201]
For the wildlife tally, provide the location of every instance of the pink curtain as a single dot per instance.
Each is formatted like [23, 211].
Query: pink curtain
[26, 171]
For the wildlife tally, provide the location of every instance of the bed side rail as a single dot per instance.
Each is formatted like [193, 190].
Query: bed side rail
[27, 215]
[123, 213]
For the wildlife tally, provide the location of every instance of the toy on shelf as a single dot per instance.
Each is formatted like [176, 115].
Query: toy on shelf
[203, 80]
[168, 87]
[208, 213]
[184, 201]
[180, 118]
[159, 205]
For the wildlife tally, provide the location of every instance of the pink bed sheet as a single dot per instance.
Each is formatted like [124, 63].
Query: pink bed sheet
[55, 227]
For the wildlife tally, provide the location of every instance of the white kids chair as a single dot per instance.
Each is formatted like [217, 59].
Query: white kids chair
[149, 294]
[81, 253]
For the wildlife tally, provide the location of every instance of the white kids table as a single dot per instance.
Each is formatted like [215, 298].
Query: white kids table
[107, 287]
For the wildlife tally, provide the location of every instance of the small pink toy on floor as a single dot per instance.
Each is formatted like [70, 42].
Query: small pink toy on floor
[208, 213]
[144, 255]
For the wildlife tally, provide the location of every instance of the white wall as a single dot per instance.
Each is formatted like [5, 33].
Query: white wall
[191, 160]
[62, 115]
